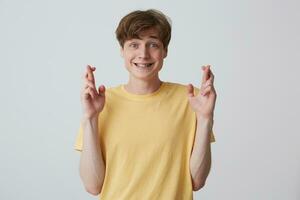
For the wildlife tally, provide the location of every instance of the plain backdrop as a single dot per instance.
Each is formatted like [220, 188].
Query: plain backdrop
[252, 45]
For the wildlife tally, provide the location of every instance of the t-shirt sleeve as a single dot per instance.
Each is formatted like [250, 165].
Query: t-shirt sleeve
[79, 139]
[212, 137]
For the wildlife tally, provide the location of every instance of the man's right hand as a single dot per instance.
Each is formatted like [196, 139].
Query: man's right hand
[92, 99]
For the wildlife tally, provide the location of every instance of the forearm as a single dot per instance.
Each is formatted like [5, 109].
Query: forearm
[200, 161]
[92, 167]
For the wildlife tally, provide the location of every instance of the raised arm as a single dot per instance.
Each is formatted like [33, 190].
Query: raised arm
[203, 105]
[92, 167]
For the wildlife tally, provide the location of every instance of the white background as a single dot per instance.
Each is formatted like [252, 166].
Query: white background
[253, 47]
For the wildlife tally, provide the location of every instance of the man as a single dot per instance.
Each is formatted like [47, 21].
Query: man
[147, 139]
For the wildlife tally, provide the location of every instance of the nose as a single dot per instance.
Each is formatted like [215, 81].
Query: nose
[143, 52]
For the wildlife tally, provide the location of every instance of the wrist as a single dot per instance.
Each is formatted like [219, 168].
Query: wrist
[89, 118]
[204, 117]
[205, 120]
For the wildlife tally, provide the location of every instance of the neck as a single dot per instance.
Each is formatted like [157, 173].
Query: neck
[140, 87]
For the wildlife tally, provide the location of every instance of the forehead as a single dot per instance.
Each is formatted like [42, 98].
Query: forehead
[151, 33]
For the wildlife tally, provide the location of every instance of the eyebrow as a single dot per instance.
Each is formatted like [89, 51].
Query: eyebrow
[153, 36]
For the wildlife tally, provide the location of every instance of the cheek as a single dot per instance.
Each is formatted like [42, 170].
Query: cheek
[159, 56]
[128, 57]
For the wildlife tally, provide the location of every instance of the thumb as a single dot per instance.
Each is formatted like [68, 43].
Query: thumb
[101, 90]
[190, 90]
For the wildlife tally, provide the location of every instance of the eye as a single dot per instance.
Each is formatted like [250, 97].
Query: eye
[133, 45]
[154, 45]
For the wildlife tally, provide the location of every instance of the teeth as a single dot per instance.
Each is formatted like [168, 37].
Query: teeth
[143, 65]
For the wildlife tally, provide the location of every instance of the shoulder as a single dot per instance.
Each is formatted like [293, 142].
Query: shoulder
[175, 86]
[179, 87]
[113, 90]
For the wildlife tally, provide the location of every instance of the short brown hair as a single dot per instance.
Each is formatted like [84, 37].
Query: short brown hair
[137, 21]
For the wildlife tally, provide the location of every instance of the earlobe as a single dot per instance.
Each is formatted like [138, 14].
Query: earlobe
[166, 53]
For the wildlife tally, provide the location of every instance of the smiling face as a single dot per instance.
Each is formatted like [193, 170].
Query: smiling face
[144, 56]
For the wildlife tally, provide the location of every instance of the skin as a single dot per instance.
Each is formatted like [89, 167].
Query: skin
[203, 105]
[92, 99]
[92, 167]
[148, 49]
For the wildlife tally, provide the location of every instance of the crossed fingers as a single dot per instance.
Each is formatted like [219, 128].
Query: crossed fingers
[89, 75]
[89, 82]
[207, 84]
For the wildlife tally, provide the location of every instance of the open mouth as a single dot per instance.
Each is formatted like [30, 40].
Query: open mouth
[143, 65]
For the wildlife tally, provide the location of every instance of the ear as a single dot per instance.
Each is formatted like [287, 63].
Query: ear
[165, 52]
[122, 52]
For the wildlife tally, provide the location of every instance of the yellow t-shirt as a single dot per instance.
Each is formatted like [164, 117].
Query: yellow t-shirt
[146, 142]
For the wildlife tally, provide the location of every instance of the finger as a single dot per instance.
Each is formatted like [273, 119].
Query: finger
[190, 90]
[207, 90]
[86, 93]
[91, 67]
[205, 75]
[89, 92]
[90, 74]
[210, 81]
[92, 92]
[86, 73]
[84, 77]
[212, 77]
[89, 84]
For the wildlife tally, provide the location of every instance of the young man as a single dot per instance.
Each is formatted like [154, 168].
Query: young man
[147, 139]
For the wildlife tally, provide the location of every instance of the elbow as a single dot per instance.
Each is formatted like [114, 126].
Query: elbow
[93, 190]
[92, 187]
[198, 185]
[91, 184]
